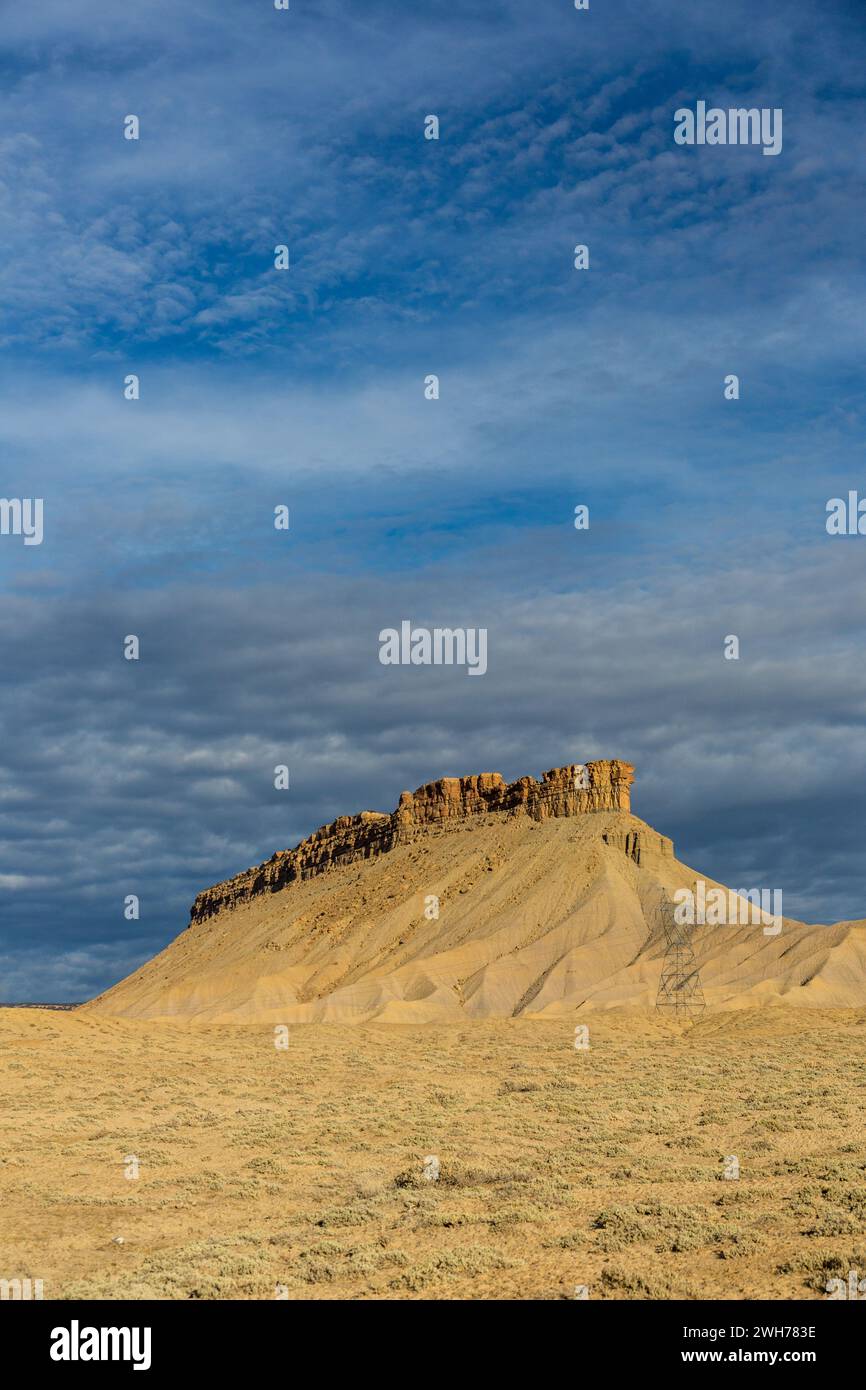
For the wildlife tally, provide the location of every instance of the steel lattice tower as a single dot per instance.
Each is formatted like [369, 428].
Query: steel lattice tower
[680, 989]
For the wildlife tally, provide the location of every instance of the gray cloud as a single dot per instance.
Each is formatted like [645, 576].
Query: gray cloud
[257, 388]
[156, 777]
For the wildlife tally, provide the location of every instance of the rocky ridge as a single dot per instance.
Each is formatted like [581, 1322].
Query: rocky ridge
[573, 790]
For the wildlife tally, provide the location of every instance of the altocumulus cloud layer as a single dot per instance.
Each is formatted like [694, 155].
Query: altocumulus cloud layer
[305, 388]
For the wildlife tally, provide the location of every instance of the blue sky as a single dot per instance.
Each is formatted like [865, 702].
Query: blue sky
[259, 387]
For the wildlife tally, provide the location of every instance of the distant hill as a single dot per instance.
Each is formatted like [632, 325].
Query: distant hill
[38, 1006]
[474, 899]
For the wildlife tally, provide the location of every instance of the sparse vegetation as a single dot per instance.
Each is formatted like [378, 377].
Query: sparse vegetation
[306, 1169]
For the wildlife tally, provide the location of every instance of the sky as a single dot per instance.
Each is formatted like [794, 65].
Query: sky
[306, 388]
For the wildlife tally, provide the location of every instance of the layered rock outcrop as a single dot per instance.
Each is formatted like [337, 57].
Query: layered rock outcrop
[573, 790]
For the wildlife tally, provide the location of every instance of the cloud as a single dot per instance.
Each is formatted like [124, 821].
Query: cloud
[558, 387]
[163, 770]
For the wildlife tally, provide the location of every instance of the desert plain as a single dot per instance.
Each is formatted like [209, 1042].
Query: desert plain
[419, 1057]
[299, 1172]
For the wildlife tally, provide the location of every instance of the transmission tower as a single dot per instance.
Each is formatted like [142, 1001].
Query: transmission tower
[680, 991]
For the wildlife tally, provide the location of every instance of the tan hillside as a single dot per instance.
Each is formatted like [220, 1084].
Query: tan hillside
[549, 902]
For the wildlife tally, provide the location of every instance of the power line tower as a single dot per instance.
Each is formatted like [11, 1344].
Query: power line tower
[680, 991]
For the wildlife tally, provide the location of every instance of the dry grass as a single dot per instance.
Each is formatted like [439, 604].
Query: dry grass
[304, 1168]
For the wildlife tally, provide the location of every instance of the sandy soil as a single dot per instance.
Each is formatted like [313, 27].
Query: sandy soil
[300, 1172]
[533, 919]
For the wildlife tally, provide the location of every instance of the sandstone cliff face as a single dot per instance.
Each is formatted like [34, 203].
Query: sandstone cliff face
[563, 791]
